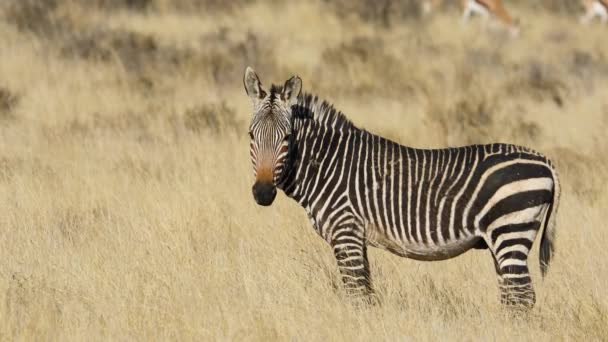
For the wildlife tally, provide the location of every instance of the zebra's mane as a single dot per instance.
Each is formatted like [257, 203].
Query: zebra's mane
[312, 107]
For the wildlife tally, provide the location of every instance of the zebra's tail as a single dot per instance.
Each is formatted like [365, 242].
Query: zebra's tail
[548, 237]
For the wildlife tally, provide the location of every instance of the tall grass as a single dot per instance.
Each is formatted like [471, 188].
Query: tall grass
[125, 202]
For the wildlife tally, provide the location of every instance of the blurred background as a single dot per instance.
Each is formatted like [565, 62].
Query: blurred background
[125, 181]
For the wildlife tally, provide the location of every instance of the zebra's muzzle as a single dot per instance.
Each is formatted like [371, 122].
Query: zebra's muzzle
[264, 193]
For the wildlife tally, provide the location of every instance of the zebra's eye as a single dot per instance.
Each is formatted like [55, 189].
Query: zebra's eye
[287, 136]
[250, 134]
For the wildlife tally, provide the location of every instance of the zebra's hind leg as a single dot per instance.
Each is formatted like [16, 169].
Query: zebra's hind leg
[510, 246]
[351, 254]
[515, 286]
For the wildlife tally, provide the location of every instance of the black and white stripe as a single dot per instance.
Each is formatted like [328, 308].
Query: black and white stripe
[269, 138]
[360, 189]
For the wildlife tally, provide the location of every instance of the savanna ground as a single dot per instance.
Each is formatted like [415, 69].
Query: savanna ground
[125, 202]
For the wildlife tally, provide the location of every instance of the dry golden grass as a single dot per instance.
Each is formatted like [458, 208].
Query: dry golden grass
[125, 203]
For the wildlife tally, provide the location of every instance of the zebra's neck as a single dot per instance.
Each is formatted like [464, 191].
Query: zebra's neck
[318, 132]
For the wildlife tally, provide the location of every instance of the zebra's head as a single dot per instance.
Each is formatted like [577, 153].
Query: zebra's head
[269, 131]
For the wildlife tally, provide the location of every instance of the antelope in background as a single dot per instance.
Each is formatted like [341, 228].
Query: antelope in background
[429, 6]
[495, 8]
[485, 8]
[491, 8]
[595, 8]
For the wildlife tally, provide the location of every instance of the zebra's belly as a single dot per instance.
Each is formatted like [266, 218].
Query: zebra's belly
[420, 251]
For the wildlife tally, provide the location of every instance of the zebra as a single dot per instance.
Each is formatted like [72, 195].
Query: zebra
[360, 190]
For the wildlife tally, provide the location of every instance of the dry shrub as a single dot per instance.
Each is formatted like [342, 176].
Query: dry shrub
[538, 81]
[142, 56]
[136, 125]
[26, 293]
[385, 13]
[477, 58]
[582, 63]
[9, 167]
[564, 7]
[41, 18]
[208, 118]
[369, 68]
[582, 175]
[141, 170]
[476, 117]
[76, 226]
[31, 15]
[221, 58]
[8, 101]
[185, 6]
[225, 58]
[133, 50]
[527, 131]
[466, 121]
[558, 36]
[138, 122]
[473, 118]
[12, 166]
[482, 123]
[118, 4]
[200, 6]
[470, 114]
[587, 67]
[74, 36]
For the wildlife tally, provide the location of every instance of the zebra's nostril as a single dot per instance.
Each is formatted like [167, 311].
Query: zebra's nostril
[264, 193]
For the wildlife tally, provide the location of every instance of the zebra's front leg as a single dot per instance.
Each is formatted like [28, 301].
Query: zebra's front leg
[351, 254]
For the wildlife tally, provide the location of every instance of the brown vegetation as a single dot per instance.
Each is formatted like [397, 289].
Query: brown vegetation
[125, 201]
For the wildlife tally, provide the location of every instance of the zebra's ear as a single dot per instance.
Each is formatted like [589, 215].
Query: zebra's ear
[253, 86]
[291, 90]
